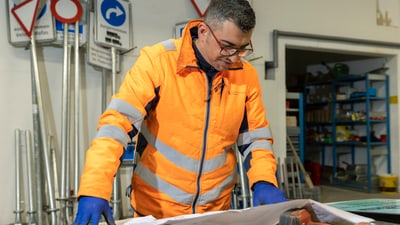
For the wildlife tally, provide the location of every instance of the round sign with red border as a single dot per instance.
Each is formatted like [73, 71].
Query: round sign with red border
[66, 11]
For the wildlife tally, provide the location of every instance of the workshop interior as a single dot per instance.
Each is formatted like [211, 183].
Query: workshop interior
[329, 75]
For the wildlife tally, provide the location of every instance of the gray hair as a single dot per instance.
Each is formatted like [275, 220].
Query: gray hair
[237, 11]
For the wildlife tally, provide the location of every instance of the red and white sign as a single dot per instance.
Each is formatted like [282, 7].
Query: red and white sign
[25, 14]
[43, 28]
[66, 11]
[201, 6]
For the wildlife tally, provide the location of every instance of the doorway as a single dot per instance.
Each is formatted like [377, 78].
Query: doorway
[301, 59]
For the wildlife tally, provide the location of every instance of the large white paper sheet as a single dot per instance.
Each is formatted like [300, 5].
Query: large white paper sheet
[265, 215]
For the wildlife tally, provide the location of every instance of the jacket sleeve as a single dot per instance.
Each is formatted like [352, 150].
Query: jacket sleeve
[124, 114]
[255, 137]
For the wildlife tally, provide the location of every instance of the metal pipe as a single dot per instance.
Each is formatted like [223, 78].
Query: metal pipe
[73, 202]
[234, 204]
[64, 114]
[52, 208]
[53, 162]
[37, 149]
[31, 198]
[18, 209]
[77, 108]
[104, 89]
[116, 198]
[292, 177]
[114, 70]
[243, 183]
[277, 33]
[65, 106]
[68, 141]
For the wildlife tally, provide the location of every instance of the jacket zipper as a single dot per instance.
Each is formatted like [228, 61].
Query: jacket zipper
[208, 100]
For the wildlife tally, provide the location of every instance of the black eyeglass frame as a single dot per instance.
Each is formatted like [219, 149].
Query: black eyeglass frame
[229, 51]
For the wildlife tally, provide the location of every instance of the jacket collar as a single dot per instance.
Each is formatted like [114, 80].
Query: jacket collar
[187, 61]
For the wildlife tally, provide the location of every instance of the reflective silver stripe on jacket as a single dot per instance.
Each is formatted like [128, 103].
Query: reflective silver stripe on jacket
[251, 136]
[111, 131]
[256, 139]
[126, 109]
[159, 184]
[169, 45]
[186, 163]
[263, 144]
[214, 193]
[177, 194]
[182, 160]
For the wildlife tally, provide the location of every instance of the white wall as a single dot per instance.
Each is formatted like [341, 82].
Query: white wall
[154, 20]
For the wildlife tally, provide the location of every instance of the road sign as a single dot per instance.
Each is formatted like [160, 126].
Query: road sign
[66, 11]
[59, 28]
[71, 33]
[43, 27]
[99, 56]
[201, 6]
[113, 24]
[25, 14]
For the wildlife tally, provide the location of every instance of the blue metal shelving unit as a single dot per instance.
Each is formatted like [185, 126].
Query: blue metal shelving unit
[374, 91]
[298, 111]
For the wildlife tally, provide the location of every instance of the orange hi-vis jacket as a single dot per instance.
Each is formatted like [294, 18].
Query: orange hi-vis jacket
[186, 127]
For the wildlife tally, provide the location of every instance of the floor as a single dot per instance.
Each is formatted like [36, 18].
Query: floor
[333, 194]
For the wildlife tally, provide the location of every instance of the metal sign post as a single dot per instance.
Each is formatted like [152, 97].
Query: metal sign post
[31, 209]
[18, 209]
[67, 12]
[77, 117]
[113, 29]
[52, 210]
[25, 14]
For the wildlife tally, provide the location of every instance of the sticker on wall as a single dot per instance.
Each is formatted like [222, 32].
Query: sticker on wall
[387, 13]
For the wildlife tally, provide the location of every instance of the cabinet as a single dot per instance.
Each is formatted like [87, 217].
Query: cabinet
[348, 129]
[295, 123]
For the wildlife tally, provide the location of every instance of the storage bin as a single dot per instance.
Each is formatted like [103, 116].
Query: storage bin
[388, 183]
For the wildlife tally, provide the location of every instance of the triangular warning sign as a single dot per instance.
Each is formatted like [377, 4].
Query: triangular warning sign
[25, 14]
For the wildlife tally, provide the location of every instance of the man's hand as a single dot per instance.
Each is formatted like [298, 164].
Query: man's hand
[90, 210]
[267, 193]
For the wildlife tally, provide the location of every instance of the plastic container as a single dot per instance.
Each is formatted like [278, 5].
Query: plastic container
[388, 183]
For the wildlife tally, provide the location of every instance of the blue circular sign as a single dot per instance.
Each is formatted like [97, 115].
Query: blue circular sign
[113, 12]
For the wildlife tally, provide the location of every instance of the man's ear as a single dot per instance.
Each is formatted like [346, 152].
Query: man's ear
[202, 30]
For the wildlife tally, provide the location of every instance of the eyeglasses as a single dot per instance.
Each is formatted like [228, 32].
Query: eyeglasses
[229, 51]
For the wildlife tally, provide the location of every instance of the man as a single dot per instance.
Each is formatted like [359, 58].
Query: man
[188, 101]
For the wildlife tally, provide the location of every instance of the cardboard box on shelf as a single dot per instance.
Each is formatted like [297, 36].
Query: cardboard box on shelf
[291, 121]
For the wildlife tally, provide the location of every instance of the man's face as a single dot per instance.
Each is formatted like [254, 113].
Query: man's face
[224, 45]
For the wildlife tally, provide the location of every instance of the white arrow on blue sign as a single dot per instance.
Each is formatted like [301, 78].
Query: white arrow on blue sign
[113, 24]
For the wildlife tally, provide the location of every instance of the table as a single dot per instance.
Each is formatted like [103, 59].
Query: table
[380, 209]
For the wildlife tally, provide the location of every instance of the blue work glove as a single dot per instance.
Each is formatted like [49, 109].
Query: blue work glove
[267, 193]
[90, 210]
